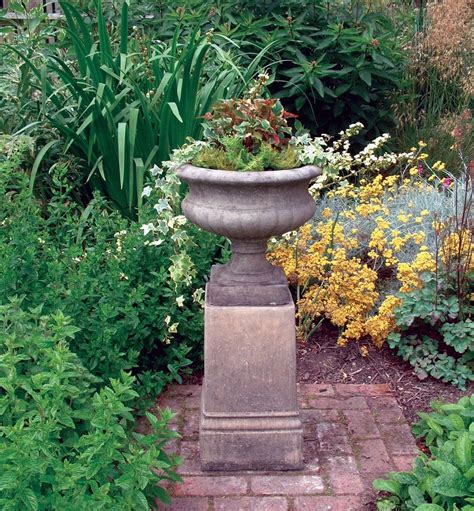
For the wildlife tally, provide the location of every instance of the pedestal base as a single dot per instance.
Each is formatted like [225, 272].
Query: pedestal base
[249, 412]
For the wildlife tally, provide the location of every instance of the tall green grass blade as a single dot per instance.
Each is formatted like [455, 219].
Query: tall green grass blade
[36, 164]
[122, 132]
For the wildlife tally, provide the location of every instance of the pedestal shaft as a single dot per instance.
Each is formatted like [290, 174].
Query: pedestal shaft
[250, 418]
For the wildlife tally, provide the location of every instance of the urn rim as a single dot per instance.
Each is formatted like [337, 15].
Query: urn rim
[192, 174]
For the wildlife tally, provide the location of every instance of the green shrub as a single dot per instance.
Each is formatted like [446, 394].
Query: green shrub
[65, 443]
[432, 336]
[443, 481]
[137, 304]
[334, 63]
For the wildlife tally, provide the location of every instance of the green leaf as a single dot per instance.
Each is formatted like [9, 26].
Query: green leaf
[38, 160]
[457, 422]
[387, 485]
[8, 480]
[451, 485]
[174, 109]
[416, 495]
[366, 77]
[429, 507]
[121, 140]
[463, 451]
[29, 498]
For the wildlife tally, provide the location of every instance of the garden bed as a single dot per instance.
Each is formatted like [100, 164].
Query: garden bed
[320, 360]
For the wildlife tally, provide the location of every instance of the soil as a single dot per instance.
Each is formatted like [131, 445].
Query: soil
[320, 360]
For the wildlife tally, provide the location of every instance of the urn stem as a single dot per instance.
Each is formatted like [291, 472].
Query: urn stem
[248, 261]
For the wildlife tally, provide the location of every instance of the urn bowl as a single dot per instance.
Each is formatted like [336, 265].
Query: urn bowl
[248, 208]
[248, 205]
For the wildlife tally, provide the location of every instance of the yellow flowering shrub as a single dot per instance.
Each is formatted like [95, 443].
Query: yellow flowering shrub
[349, 266]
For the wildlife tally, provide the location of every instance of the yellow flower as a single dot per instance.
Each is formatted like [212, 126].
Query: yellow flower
[422, 144]
[414, 171]
[423, 156]
[326, 213]
[425, 212]
[382, 223]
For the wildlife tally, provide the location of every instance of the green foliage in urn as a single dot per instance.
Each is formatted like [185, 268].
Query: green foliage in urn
[444, 479]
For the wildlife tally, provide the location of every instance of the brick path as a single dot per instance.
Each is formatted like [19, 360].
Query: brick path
[352, 435]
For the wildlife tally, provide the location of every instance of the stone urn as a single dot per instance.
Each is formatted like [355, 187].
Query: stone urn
[248, 208]
[249, 412]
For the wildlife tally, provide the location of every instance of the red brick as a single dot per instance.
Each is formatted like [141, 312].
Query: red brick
[361, 424]
[191, 461]
[398, 439]
[373, 456]
[191, 424]
[403, 463]
[315, 416]
[202, 486]
[355, 389]
[335, 403]
[311, 419]
[315, 390]
[251, 504]
[386, 410]
[311, 458]
[332, 438]
[328, 504]
[185, 504]
[344, 476]
[286, 484]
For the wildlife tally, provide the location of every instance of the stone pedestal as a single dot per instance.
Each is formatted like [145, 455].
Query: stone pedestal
[249, 410]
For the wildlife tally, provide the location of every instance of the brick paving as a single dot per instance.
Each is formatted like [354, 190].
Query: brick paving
[352, 435]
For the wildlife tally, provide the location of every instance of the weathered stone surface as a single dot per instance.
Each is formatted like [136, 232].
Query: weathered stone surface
[361, 424]
[286, 485]
[248, 208]
[185, 504]
[250, 417]
[343, 476]
[211, 485]
[398, 439]
[403, 463]
[373, 456]
[346, 503]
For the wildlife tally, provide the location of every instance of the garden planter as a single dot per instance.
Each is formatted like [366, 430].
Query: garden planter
[249, 412]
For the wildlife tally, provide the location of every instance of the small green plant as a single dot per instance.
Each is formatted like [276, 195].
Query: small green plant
[432, 337]
[444, 480]
[247, 134]
[66, 439]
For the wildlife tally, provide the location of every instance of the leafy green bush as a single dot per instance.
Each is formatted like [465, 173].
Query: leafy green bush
[431, 335]
[334, 63]
[443, 481]
[65, 443]
[137, 303]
